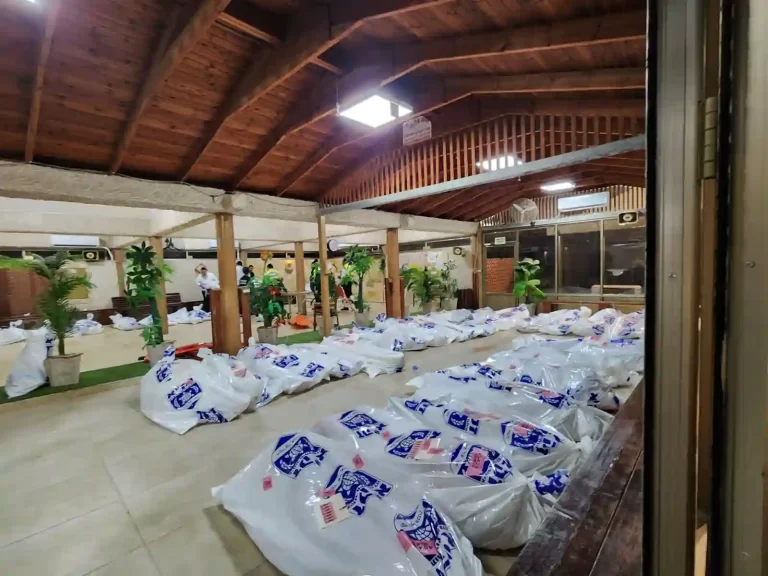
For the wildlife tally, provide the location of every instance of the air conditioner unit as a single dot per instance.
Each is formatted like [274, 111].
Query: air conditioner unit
[583, 202]
[75, 241]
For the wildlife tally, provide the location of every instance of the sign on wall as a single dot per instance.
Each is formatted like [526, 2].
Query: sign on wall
[417, 130]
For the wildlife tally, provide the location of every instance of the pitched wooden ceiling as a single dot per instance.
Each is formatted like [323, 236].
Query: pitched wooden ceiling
[242, 94]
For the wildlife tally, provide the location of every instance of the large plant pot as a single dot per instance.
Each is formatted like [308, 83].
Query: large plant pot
[363, 318]
[155, 353]
[267, 335]
[450, 303]
[428, 307]
[63, 370]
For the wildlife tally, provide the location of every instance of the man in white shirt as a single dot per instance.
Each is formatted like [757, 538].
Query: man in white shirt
[238, 271]
[207, 282]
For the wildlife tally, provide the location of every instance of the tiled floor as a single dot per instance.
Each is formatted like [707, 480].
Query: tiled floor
[89, 486]
[114, 347]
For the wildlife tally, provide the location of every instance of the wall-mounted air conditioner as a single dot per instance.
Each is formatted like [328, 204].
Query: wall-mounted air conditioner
[583, 202]
[75, 241]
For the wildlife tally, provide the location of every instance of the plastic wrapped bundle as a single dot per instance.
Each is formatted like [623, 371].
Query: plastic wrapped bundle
[286, 370]
[596, 325]
[561, 322]
[375, 360]
[198, 314]
[238, 376]
[629, 326]
[124, 322]
[14, 333]
[344, 516]
[342, 366]
[88, 326]
[180, 394]
[28, 370]
[510, 318]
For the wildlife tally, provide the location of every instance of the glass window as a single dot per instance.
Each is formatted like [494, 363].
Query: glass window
[539, 244]
[580, 258]
[500, 261]
[624, 258]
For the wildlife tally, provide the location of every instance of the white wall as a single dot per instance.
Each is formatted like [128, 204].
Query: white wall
[463, 272]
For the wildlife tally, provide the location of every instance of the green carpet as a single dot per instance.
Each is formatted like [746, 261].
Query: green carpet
[135, 370]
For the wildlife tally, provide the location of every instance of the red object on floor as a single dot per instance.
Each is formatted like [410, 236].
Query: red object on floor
[300, 322]
[188, 352]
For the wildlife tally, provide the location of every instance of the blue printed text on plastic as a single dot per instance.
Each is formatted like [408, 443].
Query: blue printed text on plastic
[430, 535]
[293, 453]
[361, 424]
[401, 446]
[461, 421]
[520, 434]
[356, 487]
[185, 396]
[480, 463]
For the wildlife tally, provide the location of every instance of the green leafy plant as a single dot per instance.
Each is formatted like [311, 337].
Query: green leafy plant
[53, 303]
[267, 299]
[527, 282]
[314, 283]
[450, 284]
[360, 262]
[143, 282]
[425, 283]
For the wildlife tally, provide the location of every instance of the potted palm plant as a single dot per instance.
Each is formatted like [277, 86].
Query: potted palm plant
[56, 309]
[267, 300]
[426, 284]
[527, 283]
[143, 280]
[360, 261]
[450, 299]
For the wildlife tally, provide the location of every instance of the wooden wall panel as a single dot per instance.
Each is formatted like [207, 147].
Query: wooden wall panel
[529, 138]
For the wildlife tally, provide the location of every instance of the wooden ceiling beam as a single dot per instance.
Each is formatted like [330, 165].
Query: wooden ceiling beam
[181, 34]
[384, 66]
[311, 32]
[37, 88]
[618, 79]
[255, 22]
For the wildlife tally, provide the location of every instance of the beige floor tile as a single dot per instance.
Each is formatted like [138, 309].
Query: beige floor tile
[213, 544]
[177, 503]
[75, 547]
[25, 512]
[497, 563]
[137, 563]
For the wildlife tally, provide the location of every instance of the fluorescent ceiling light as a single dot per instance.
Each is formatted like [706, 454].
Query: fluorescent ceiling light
[497, 163]
[376, 111]
[559, 187]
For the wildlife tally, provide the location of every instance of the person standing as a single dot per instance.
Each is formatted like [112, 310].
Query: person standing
[207, 282]
[238, 270]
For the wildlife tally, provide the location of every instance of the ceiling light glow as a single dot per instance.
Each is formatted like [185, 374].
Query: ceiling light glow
[559, 187]
[376, 111]
[498, 163]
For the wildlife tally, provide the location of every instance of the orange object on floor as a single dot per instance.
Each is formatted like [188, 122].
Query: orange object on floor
[189, 351]
[300, 322]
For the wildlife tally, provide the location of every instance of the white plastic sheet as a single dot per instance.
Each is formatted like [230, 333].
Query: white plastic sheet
[180, 394]
[598, 324]
[316, 507]
[14, 333]
[375, 360]
[28, 370]
[630, 326]
[124, 322]
[88, 326]
[238, 375]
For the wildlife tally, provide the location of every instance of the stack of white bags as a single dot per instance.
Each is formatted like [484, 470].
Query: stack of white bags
[14, 333]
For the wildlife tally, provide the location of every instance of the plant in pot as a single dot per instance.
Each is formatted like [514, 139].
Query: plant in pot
[315, 286]
[426, 284]
[449, 300]
[143, 282]
[55, 308]
[360, 261]
[267, 300]
[527, 283]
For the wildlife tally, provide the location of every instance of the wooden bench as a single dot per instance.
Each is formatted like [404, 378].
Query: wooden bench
[120, 304]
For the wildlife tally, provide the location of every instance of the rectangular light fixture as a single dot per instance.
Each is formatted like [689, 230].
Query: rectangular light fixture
[376, 111]
[498, 163]
[559, 187]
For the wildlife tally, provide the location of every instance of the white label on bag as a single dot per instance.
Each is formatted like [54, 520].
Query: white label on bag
[331, 511]
[424, 449]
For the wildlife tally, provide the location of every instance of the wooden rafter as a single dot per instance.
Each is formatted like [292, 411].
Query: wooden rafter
[37, 89]
[379, 69]
[311, 33]
[179, 36]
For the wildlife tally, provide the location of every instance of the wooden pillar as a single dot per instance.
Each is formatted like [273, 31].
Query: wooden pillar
[162, 302]
[119, 256]
[394, 294]
[324, 288]
[244, 258]
[301, 298]
[478, 268]
[229, 297]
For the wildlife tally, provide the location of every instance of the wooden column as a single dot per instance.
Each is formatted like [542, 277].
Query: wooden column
[394, 294]
[301, 299]
[119, 256]
[244, 258]
[324, 288]
[229, 297]
[162, 302]
[478, 268]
